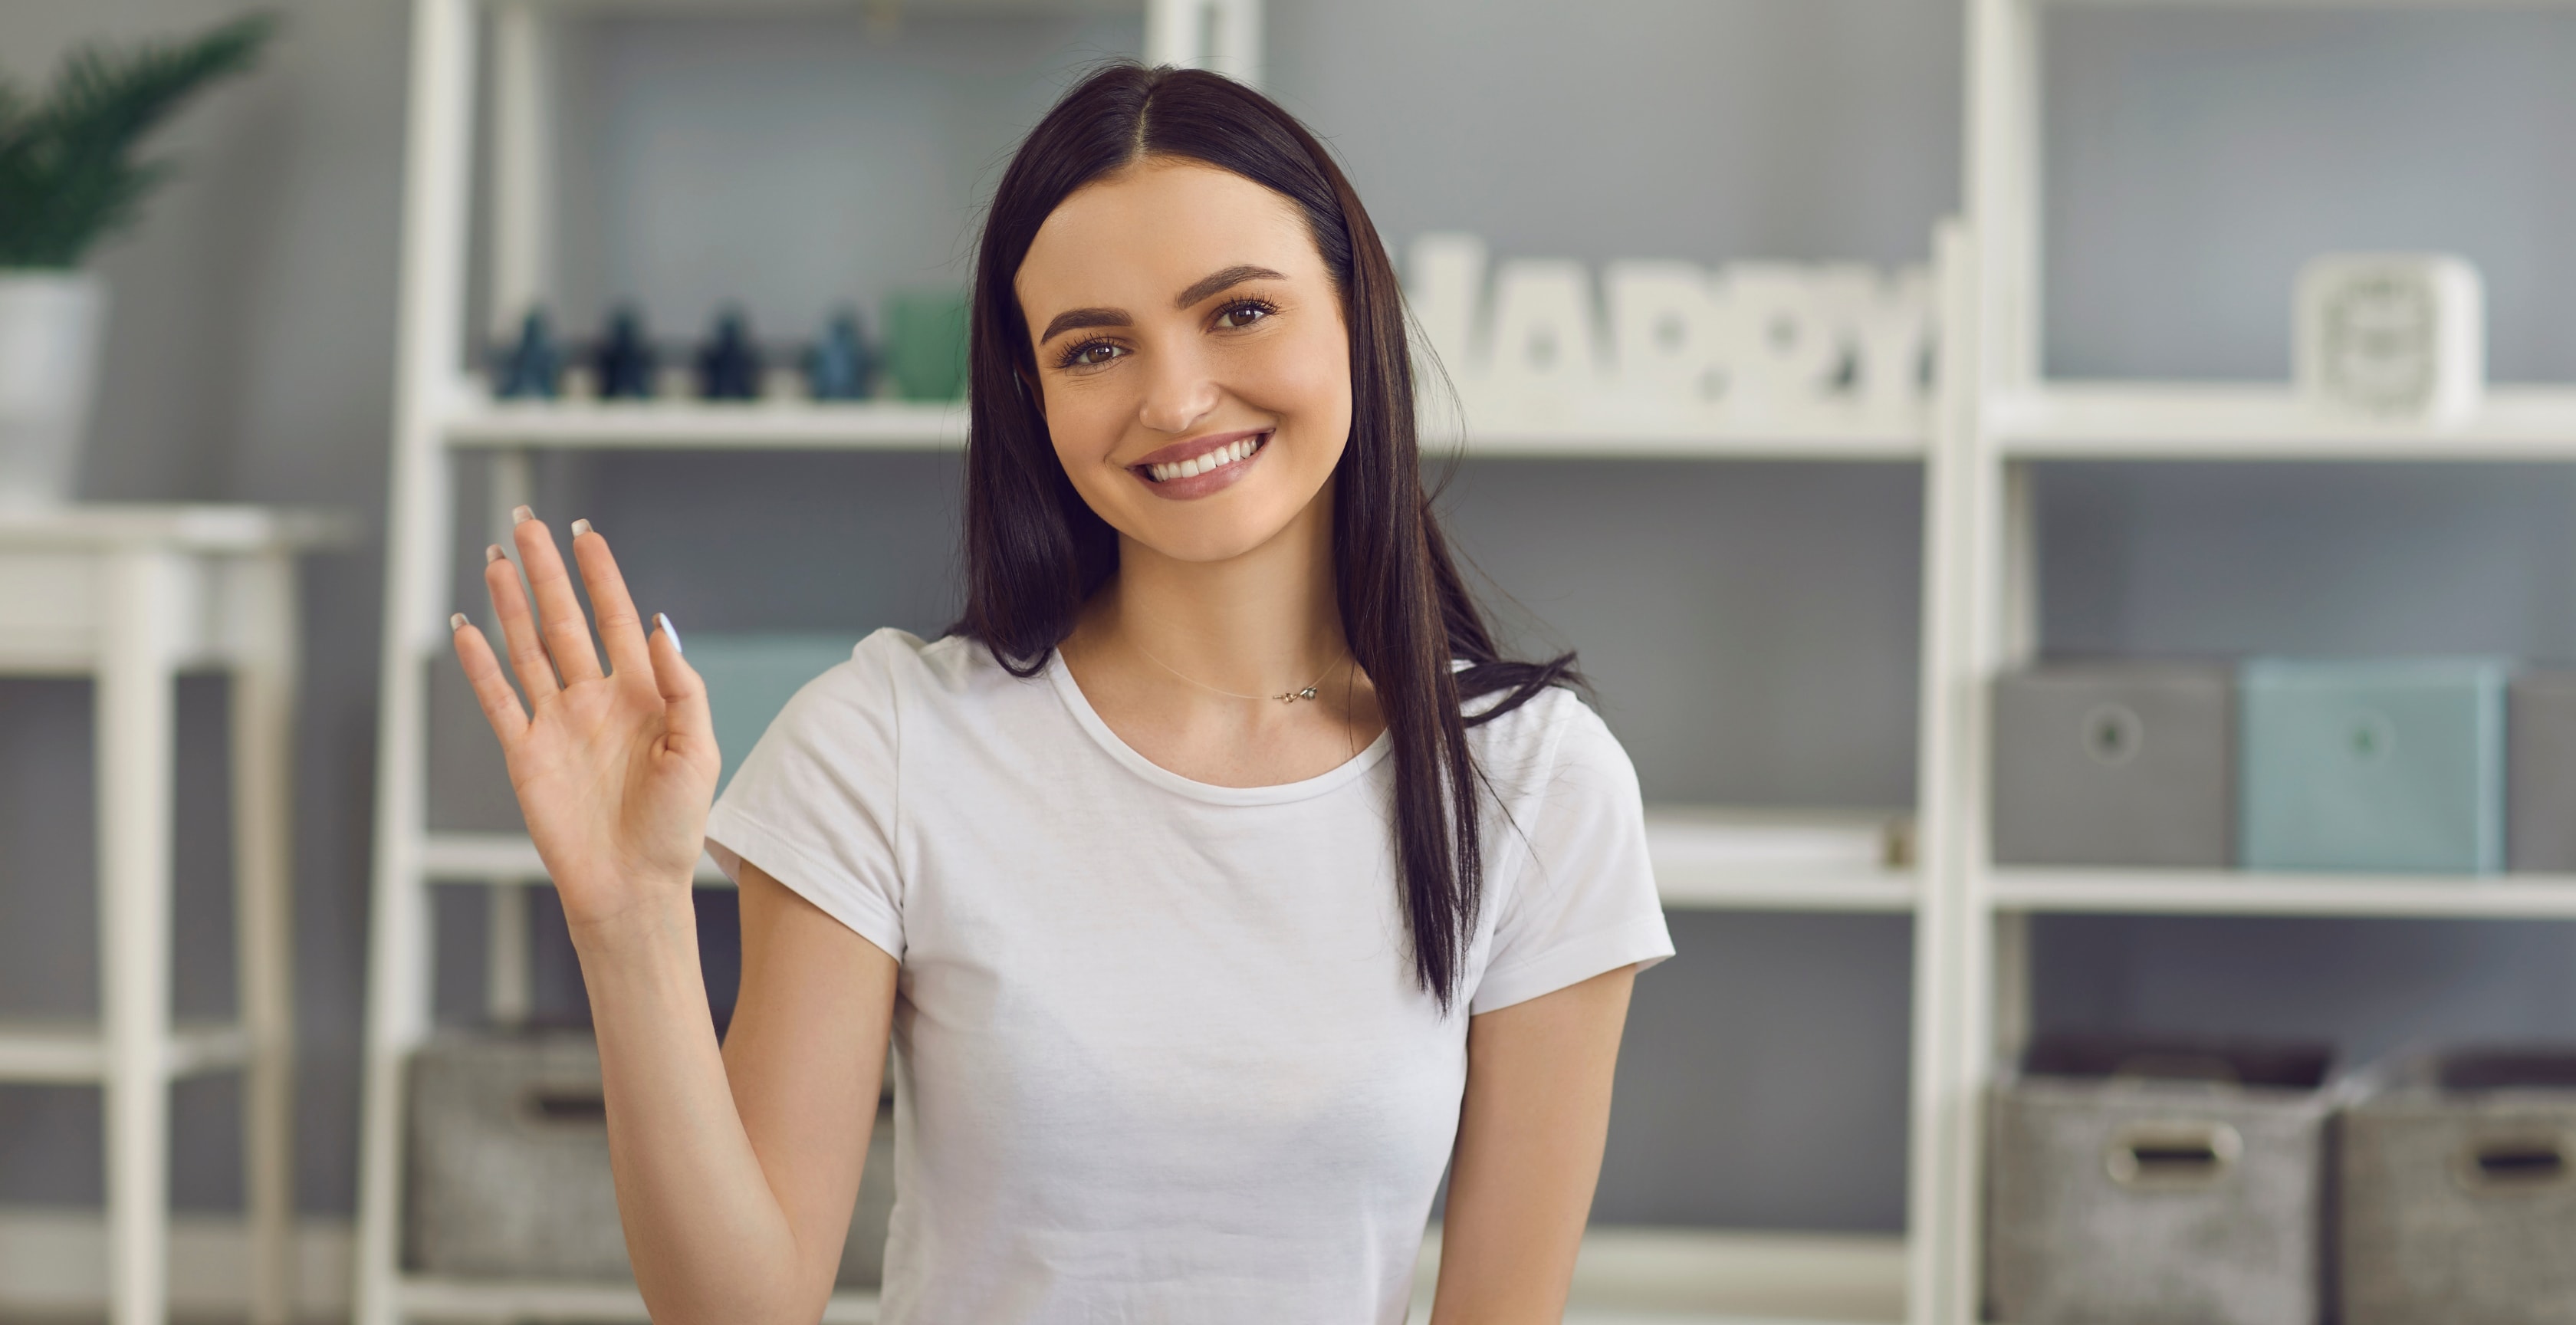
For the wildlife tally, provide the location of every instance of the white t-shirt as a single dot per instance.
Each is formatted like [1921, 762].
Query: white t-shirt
[1159, 1051]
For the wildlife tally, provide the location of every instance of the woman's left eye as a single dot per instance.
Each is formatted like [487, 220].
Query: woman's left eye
[1238, 316]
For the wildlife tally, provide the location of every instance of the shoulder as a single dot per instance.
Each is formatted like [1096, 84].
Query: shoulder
[900, 662]
[1525, 751]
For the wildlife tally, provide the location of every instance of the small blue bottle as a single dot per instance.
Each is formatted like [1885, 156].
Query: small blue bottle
[838, 365]
[626, 362]
[530, 368]
[729, 364]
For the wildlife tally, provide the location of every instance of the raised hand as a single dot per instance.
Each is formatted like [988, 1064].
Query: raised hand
[614, 771]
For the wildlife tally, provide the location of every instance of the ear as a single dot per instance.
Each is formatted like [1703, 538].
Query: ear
[1031, 391]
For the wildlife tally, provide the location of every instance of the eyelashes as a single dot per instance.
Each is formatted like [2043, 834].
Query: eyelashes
[1076, 355]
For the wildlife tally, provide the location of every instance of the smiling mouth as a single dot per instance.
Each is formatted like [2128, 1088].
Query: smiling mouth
[1234, 452]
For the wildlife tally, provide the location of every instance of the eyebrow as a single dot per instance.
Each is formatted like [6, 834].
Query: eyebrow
[1076, 319]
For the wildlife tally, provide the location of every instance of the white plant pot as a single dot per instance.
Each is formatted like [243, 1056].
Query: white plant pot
[51, 326]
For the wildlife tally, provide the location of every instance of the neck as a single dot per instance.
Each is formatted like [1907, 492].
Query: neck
[1255, 624]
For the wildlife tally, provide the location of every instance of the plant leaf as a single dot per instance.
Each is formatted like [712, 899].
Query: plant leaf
[69, 175]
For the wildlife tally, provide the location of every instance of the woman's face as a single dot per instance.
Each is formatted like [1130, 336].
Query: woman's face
[1191, 356]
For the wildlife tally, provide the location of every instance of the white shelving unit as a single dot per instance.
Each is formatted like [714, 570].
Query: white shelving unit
[2008, 415]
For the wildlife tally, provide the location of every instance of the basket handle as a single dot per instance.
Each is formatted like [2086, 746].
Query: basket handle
[2172, 1156]
[2515, 1163]
[565, 1106]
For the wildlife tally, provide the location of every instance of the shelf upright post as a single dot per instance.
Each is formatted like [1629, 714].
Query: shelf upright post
[523, 158]
[508, 977]
[1933, 1184]
[1994, 598]
[436, 202]
[1222, 35]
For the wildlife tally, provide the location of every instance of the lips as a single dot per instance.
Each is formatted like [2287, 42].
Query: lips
[1200, 455]
[1202, 465]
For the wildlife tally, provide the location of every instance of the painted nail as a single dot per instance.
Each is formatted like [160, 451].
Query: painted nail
[580, 527]
[492, 553]
[455, 621]
[521, 515]
[663, 620]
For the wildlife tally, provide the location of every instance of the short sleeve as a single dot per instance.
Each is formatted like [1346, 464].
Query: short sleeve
[1583, 900]
[815, 802]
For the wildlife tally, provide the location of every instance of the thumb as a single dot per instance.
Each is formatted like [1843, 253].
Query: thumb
[684, 695]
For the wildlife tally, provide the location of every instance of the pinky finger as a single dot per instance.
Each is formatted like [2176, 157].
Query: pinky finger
[491, 688]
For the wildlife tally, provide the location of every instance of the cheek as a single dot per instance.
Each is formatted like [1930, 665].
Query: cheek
[1085, 423]
[1308, 383]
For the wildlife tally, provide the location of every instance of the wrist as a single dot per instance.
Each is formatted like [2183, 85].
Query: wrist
[662, 920]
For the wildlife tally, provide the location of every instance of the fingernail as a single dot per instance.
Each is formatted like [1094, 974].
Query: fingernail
[491, 553]
[663, 619]
[455, 621]
[580, 527]
[521, 515]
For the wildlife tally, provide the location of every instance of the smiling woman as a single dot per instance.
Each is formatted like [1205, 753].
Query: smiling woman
[1170, 871]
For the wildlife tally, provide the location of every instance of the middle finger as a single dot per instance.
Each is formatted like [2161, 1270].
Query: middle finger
[559, 618]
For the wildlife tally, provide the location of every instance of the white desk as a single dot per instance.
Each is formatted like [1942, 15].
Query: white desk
[131, 596]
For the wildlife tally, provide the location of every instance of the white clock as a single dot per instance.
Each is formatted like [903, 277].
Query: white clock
[2395, 336]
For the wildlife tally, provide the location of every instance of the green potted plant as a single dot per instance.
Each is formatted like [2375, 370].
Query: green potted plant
[70, 176]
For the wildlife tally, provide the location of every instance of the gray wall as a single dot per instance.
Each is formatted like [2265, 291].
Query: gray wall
[1752, 626]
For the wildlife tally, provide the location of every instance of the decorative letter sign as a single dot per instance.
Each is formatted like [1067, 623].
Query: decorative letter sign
[1802, 348]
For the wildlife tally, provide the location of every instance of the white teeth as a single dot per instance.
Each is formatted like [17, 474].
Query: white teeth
[1197, 465]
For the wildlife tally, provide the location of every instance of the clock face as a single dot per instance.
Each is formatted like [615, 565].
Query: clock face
[2380, 341]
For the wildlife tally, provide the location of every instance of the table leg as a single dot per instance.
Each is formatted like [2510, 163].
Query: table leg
[263, 754]
[135, 707]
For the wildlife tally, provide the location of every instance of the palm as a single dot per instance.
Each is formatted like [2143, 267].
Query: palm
[614, 770]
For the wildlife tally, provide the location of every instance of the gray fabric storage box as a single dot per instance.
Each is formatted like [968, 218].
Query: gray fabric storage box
[509, 1166]
[2459, 1192]
[2159, 1183]
[2115, 764]
[2540, 791]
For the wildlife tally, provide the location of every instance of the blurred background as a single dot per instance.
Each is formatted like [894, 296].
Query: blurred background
[1754, 628]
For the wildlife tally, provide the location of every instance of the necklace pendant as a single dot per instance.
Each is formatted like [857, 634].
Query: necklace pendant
[1293, 696]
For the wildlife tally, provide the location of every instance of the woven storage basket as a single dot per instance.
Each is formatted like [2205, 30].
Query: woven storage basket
[2459, 1192]
[2154, 1183]
[509, 1166]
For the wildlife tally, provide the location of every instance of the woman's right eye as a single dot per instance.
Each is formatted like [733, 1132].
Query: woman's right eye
[1091, 354]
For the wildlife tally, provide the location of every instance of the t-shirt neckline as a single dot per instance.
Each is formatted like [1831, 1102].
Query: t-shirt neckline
[1079, 704]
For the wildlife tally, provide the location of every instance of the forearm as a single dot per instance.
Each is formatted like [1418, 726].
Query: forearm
[709, 1239]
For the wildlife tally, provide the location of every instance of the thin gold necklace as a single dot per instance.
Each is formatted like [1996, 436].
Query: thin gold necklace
[1285, 697]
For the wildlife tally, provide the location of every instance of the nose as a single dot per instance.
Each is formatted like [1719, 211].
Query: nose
[1178, 392]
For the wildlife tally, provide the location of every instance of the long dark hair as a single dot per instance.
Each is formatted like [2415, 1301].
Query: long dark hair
[1035, 551]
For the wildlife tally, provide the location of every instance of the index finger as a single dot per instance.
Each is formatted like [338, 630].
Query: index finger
[621, 631]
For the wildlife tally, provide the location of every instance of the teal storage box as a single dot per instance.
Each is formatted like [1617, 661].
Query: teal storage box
[2372, 767]
[750, 677]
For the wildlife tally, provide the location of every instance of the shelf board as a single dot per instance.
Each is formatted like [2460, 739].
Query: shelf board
[2311, 4]
[433, 1297]
[2233, 893]
[2267, 421]
[1717, 859]
[882, 425]
[1821, 435]
[72, 1053]
[1690, 875]
[508, 858]
[864, 425]
[1699, 1276]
